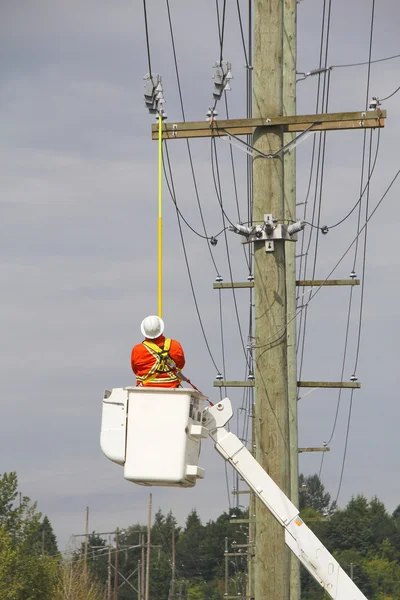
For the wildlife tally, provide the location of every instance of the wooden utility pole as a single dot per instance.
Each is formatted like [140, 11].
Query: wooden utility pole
[274, 279]
[116, 564]
[148, 549]
[86, 536]
[139, 580]
[173, 566]
[109, 571]
[142, 567]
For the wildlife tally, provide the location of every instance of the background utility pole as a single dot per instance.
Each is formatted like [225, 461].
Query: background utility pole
[116, 564]
[173, 565]
[142, 567]
[109, 570]
[86, 536]
[148, 549]
[274, 193]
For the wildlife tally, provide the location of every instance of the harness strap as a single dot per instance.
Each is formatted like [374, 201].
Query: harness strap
[161, 365]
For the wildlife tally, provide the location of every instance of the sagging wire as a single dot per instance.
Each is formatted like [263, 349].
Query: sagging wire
[390, 95]
[172, 188]
[218, 191]
[204, 237]
[365, 247]
[147, 36]
[314, 72]
[187, 141]
[329, 227]
[335, 266]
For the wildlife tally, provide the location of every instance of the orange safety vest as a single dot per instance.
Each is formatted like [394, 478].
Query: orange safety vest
[163, 364]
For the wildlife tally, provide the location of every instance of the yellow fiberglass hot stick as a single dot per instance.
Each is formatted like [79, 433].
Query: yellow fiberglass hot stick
[160, 216]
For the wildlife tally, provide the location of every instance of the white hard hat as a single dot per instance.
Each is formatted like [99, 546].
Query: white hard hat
[152, 327]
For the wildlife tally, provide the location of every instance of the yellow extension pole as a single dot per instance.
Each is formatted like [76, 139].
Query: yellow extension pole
[160, 216]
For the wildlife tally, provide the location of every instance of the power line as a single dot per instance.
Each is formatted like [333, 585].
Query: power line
[242, 33]
[392, 94]
[324, 42]
[187, 141]
[336, 265]
[218, 190]
[365, 242]
[368, 62]
[360, 64]
[204, 237]
[188, 267]
[362, 193]
[147, 35]
[221, 27]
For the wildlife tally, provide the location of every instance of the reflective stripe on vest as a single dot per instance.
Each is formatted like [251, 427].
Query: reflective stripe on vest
[160, 366]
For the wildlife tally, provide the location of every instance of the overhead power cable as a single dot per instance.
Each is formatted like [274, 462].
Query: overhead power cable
[147, 35]
[318, 289]
[349, 313]
[221, 27]
[314, 72]
[187, 141]
[329, 227]
[218, 190]
[323, 86]
[365, 243]
[204, 237]
[368, 62]
[188, 266]
[242, 33]
[390, 95]
[318, 189]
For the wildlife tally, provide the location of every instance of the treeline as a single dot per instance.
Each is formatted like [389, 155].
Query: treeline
[31, 567]
[199, 557]
[363, 537]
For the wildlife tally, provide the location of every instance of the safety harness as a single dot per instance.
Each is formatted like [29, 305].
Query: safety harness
[162, 365]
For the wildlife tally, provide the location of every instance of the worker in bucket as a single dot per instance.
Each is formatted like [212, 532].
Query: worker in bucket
[156, 360]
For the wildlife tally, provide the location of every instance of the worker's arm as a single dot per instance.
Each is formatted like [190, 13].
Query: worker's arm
[177, 354]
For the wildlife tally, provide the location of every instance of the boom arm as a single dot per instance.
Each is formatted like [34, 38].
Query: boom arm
[300, 539]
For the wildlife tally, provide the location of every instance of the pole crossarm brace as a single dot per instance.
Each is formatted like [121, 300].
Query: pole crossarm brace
[242, 521]
[304, 384]
[300, 283]
[323, 449]
[329, 384]
[290, 124]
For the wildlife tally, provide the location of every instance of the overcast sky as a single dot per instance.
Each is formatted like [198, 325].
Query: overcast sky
[78, 174]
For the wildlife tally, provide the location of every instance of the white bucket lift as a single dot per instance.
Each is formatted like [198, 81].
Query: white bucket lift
[155, 433]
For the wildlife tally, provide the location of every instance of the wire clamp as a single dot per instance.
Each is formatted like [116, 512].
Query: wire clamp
[269, 232]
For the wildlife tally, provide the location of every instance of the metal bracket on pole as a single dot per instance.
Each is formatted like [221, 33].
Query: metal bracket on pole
[269, 232]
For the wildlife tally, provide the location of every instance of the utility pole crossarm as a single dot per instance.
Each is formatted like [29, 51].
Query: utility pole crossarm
[300, 283]
[303, 384]
[295, 123]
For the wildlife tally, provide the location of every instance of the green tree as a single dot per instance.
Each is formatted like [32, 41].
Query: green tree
[25, 573]
[351, 528]
[43, 539]
[312, 494]
[189, 545]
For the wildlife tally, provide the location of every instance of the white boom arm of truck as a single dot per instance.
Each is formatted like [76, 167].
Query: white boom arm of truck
[300, 539]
